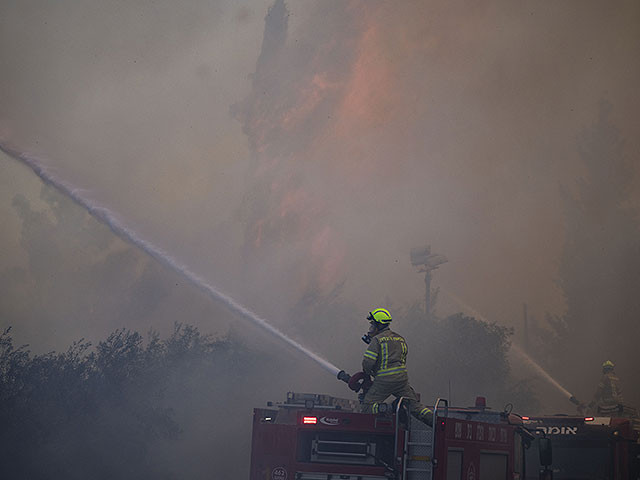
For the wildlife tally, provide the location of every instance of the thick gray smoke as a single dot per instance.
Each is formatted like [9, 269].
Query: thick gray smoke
[284, 150]
[107, 217]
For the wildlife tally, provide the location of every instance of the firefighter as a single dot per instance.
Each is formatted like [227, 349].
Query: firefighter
[608, 396]
[385, 359]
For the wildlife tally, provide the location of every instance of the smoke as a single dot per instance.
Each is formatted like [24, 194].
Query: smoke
[105, 216]
[287, 148]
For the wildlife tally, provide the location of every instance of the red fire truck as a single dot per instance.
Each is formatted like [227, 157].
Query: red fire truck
[319, 437]
[589, 448]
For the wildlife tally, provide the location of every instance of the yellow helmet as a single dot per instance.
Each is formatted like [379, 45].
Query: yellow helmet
[380, 316]
[608, 364]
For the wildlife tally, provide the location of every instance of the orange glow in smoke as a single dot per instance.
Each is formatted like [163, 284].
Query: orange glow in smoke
[368, 95]
[328, 117]
[308, 100]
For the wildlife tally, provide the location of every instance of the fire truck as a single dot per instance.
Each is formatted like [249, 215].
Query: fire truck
[320, 437]
[589, 448]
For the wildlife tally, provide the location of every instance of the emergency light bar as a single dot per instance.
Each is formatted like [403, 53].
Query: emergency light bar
[588, 419]
[309, 420]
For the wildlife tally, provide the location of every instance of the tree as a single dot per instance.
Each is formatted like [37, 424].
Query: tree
[122, 409]
[463, 357]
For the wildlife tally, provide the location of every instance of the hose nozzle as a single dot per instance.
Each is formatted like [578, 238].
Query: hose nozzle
[344, 376]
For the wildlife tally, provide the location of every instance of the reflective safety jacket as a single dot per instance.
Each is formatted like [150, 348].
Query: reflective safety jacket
[386, 355]
[608, 391]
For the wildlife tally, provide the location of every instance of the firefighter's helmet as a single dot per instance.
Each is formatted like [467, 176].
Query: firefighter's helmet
[608, 365]
[380, 315]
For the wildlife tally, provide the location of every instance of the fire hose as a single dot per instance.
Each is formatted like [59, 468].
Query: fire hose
[358, 382]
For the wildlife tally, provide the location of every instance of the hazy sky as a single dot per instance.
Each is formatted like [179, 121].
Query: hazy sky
[370, 128]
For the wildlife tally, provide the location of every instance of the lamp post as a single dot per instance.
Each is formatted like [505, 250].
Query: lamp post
[426, 262]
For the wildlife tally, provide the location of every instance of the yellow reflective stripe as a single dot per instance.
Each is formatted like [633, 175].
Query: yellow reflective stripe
[400, 368]
[404, 352]
[385, 356]
[371, 355]
[390, 371]
[425, 411]
[375, 408]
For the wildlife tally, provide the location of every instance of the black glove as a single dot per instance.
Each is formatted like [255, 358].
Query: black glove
[344, 376]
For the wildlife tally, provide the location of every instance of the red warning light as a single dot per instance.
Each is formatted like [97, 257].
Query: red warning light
[481, 402]
[309, 420]
[525, 418]
[588, 419]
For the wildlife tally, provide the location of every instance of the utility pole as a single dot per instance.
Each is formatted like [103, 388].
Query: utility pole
[525, 339]
[426, 262]
[427, 294]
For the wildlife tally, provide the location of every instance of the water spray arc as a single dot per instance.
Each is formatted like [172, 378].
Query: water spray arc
[532, 364]
[520, 352]
[105, 216]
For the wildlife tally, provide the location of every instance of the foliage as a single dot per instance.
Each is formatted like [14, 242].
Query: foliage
[463, 357]
[100, 412]
[469, 355]
[470, 349]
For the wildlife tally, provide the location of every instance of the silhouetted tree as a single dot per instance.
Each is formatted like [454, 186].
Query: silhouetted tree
[103, 412]
[465, 357]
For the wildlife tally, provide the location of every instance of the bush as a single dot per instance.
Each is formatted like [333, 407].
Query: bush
[101, 412]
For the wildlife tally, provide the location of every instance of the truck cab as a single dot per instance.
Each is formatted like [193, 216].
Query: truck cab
[589, 448]
[320, 437]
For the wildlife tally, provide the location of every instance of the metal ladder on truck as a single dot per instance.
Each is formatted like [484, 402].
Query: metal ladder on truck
[418, 458]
